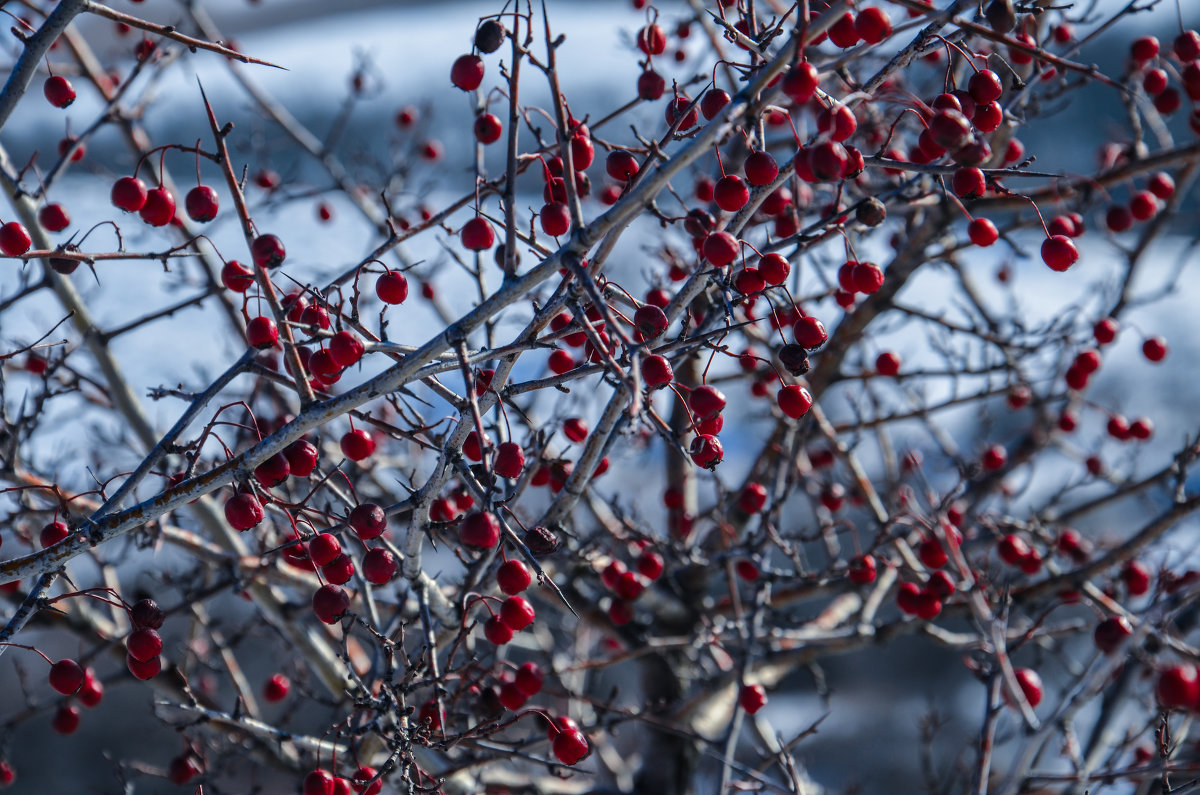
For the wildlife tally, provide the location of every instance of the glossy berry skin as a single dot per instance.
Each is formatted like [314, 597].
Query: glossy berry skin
[357, 445]
[513, 577]
[887, 364]
[480, 529]
[66, 677]
[323, 549]
[268, 251]
[794, 401]
[261, 333]
[392, 288]
[529, 679]
[59, 91]
[236, 277]
[713, 102]
[731, 193]
[516, 612]
[477, 235]
[243, 511]
[570, 747]
[498, 632]
[761, 168]
[1177, 687]
[487, 128]
[201, 204]
[982, 232]
[14, 239]
[329, 603]
[872, 25]
[379, 566]
[810, 332]
[706, 451]
[467, 72]
[706, 401]
[302, 457]
[318, 782]
[1059, 253]
[159, 209]
[368, 520]
[143, 644]
[129, 194]
[147, 613]
[720, 248]
[144, 670]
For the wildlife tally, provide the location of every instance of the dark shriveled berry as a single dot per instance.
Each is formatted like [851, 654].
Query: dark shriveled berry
[489, 36]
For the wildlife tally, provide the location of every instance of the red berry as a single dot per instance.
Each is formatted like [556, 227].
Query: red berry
[982, 232]
[159, 209]
[129, 194]
[143, 644]
[477, 234]
[201, 204]
[368, 520]
[392, 287]
[570, 747]
[329, 603]
[720, 248]
[1144, 48]
[497, 631]
[1136, 577]
[706, 451]
[1177, 687]
[302, 457]
[731, 193]
[243, 511]
[324, 549]
[65, 720]
[810, 332]
[651, 85]
[650, 565]
[59, 91]
[276, 689]
[1111, 633]
[652, 40]
[261, 332]
[267, 251]
[801, 81]
[872, 25]
[994, 458]
[236, 277]
[985, 86]
[52, 533]
[379, 566]
[752, 698]
[1059, 252]
[712, 103]
[143, 670]
[513, 577]
[1031, 685]
[467, 72]
[516, 612]
[357, 444]
[1155, 349]
[480, 529]
[761, 168]
[706, 401]
[861, 570]
[487, 128]
[14, 239]
[66, 677]
[1187, 46]
[794, 401]
[318, 782]
[887, 363]
[53, 218]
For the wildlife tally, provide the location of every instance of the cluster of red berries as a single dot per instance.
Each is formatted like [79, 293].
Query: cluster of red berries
[626, 584]
[144, 645]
